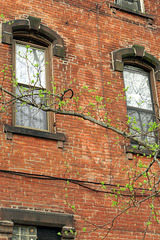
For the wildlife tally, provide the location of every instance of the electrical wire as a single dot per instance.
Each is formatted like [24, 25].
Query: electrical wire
[78, 182]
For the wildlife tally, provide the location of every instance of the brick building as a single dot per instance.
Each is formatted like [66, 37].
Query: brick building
[58, 173]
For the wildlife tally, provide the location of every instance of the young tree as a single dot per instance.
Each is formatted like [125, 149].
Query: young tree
[143, 174]
[142, 182]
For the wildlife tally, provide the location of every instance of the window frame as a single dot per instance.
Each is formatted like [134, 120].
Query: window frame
[136, 54]
[31, 30]
[48, 80]
[152, 82]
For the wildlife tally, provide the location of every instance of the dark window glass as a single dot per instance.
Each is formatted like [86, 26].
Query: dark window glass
[44, 233]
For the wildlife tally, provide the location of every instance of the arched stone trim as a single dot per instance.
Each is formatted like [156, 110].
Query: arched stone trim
[135, 52]
[32, 26]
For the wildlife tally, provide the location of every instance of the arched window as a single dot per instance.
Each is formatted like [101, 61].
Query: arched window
[30, 73]
[33, 47]
[139, 100]
[140, 70]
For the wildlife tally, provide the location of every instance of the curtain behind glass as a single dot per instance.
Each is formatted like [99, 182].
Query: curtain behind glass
[131, 4]
[30, 70]
[139, 102]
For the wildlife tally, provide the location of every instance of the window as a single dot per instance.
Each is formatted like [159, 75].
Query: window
[34, 44]
[141, 71]
[22, 232]
[131, 4]
[140, 108]
[30, 72]
[33, 225]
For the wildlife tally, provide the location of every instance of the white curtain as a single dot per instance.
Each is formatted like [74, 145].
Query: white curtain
[30, 77]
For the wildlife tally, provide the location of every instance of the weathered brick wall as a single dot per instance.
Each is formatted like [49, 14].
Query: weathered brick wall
[90, 152]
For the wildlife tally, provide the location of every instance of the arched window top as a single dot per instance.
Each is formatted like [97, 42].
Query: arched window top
[138, 53]
[31, 30]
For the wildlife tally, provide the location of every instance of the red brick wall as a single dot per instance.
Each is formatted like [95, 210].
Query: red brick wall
[90, 152]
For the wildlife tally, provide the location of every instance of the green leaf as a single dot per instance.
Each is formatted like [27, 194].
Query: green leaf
[148, 223]
[114, 203]
[73, 207]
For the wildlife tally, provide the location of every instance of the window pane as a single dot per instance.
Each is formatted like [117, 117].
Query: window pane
[30, 65]
[24, 230]
[29, 116]
[15, 237]
[131, 4]
[32, 231]
[32, 238]
[16, 230]
[24, 237]
[48, 233]
[140, 121]
[24, 233]
[138, 92]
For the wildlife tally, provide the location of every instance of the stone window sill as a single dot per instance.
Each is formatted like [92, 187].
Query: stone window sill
[145, 152]
[34, 133]
[141, 14]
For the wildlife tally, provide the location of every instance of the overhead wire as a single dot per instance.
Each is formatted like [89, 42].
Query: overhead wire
[78, 182]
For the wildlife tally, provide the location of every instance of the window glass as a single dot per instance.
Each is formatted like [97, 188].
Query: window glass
[30, 77]
[24, 233]
[139, 92]
[131, 4]
[21, 232]
[139, 101]
[30, 65]
[29, 116]
[45, 233]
